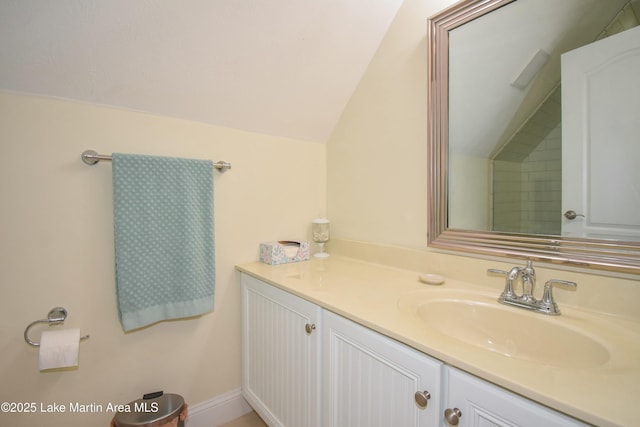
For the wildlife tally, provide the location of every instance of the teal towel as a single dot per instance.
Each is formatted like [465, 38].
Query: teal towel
[164, 238]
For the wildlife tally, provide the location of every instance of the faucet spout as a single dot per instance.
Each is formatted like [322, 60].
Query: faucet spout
[528, 282]
[511, 278]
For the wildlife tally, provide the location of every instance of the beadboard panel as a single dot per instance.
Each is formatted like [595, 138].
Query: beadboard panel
[371, 380]
[280, 369]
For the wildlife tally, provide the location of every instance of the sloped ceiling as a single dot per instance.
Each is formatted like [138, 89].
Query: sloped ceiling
[279, 67]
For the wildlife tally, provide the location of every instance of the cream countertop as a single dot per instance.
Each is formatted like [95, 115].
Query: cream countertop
[370, 294]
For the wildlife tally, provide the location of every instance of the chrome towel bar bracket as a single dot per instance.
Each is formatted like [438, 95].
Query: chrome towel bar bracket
[56, 316]
[90, 157]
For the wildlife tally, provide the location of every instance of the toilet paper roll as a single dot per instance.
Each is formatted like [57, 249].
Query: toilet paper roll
[59, 349]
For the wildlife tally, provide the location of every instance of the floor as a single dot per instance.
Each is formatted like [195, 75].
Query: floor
[249, 420]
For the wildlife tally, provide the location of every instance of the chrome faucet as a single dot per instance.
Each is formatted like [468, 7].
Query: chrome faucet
[526, 300]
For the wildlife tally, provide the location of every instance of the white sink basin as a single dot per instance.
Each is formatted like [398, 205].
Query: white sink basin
[512, 332]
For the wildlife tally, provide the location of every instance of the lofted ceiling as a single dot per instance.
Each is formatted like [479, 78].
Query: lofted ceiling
[279, 67]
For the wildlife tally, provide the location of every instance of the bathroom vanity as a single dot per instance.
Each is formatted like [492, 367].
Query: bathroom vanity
[339, 342]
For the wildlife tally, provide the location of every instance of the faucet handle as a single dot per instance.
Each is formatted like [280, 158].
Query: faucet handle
[547, 302]
[553, 282]
[510, 276]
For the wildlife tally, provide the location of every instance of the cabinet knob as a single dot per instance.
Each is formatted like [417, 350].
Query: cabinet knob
[452, 416]
[422, 398]
[310, 327]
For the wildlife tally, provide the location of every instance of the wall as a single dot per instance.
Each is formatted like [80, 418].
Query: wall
[377, 175]
[528, 192]
[527, 182]
[56, 248]
[507, 196]
[470, 184]
[377, 155]
[542, 186]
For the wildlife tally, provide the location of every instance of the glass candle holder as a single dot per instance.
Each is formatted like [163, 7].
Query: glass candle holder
[320, 231]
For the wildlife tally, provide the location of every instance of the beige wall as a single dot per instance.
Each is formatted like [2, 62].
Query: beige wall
[470, 187]
[377, 155]
[56, 248]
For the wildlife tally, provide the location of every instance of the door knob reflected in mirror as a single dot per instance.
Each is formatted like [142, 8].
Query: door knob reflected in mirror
[572, 215]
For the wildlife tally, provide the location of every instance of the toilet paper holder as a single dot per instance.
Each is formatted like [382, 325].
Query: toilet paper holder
[56, 316]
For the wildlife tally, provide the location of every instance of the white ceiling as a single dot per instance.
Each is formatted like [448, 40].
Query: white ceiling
[279, 67]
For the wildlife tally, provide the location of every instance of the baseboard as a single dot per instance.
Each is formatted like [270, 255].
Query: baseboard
[218, 410]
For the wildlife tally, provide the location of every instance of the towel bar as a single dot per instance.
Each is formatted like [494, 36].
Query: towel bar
[56, 316]
[90, 157]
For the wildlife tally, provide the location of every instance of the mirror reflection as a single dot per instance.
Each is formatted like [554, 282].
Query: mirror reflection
[542, 120]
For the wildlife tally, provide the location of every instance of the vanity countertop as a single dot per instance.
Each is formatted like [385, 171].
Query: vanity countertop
[370, 294]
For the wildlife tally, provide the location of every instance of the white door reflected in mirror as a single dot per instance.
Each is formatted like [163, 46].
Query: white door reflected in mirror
[601, 142]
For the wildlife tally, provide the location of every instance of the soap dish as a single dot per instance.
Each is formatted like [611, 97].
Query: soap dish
[431, 279]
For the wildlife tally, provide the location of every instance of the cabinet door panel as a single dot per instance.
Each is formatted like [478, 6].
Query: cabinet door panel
[483, 404]
[370, 380]
[280, 359]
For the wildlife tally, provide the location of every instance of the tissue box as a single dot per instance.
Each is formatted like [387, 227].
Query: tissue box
[284, 251]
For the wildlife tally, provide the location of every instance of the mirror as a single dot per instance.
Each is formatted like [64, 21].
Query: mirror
[498, 72]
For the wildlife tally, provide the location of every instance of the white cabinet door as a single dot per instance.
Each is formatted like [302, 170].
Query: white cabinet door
[482, 404]
[370, 380]
[280, 377]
